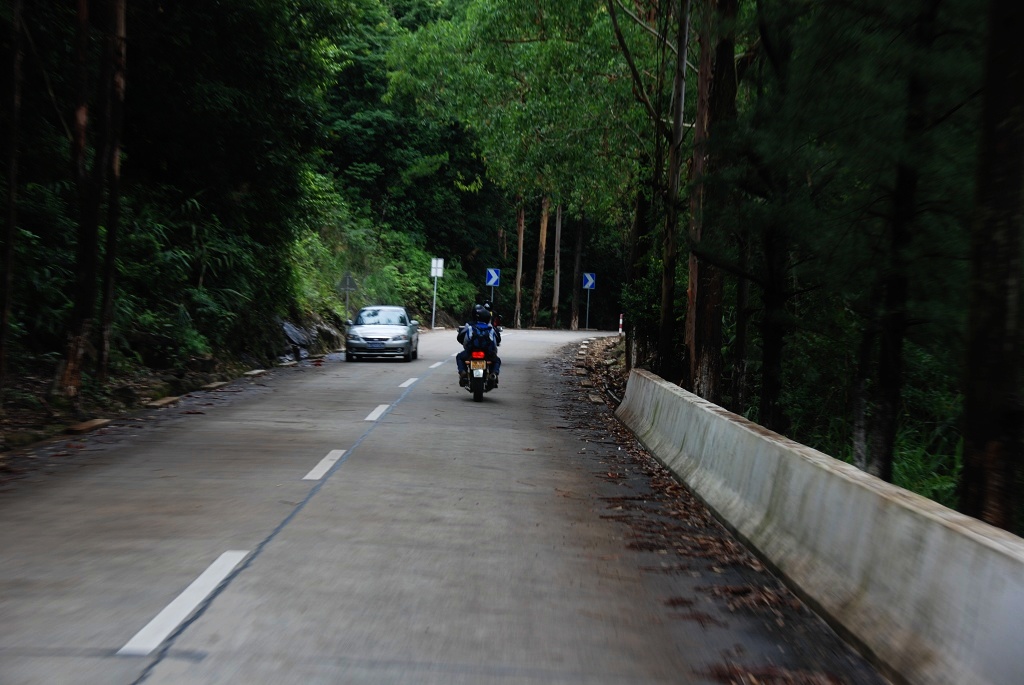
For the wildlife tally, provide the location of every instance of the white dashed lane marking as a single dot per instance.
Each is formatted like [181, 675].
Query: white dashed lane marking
[378, 412]
[325, 465]
[157, 630]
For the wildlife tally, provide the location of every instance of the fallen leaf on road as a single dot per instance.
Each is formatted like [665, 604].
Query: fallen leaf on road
[679, 602]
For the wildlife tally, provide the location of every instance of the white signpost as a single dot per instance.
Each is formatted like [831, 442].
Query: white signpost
[436, 272]
[493, 280]
[589, 282]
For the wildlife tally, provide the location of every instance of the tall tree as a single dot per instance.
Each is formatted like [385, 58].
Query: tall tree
[704, 293]
[672, 16]
[542, 242]
[894, 286]
[117, 44]
[670, 234]
[558, 266]
[520, 233]
[776, 31]
[994, 406]
[638, 251]
[68, 379]
[91, 186]
[577, 274]
[10, 226]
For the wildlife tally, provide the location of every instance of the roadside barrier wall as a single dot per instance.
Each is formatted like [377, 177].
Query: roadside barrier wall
[933, 596]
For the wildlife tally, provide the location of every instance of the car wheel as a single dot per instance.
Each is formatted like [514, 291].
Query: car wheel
[416, 352]
[407, 357]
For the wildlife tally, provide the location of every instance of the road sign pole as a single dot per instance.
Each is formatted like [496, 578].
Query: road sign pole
[589, 281]
[433, 309]
[437, 271]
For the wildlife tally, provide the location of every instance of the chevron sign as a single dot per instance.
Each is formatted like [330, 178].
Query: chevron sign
[589, 281]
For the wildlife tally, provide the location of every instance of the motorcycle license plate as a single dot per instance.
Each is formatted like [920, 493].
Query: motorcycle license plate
[478, 368]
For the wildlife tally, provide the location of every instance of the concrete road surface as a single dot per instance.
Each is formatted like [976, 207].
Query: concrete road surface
[368, 522]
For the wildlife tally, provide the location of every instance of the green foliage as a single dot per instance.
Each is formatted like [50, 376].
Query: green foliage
[405, 278]
[258, 171]
[527, 78]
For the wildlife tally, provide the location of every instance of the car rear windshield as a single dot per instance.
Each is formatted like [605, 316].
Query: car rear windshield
[371, 317]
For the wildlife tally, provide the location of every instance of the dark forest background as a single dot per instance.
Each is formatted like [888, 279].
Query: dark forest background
[807, 212]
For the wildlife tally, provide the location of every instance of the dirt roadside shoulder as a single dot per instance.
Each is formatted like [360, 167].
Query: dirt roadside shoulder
[756, 630]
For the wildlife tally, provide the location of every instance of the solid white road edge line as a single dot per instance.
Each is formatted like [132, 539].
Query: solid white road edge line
[408, 382]
[376, 413]
[434, 366]
[157, 630]
[325, 465]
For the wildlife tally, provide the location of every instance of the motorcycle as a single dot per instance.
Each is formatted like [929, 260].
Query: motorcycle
[481, 379]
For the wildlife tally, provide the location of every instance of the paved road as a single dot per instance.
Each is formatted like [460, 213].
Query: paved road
[363, 523]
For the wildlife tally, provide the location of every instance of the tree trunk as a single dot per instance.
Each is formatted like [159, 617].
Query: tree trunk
[638, 342]
[716, 105]
[666, 324]
[91, 188]
[884, 420]
[68, 379]
[538, 280]
[865, 372]
[577, 274]
[774, 327]
[520, 230]
[705, 66]
[558, 265]
[637, 249]
[10, 230]
[119, 39]
[994, 410]
[740, 381]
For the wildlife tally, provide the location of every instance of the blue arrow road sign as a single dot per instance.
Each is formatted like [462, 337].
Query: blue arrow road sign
[493, 278]
[589, 281]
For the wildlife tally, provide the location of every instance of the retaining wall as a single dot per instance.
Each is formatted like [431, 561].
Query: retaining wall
[933, 596]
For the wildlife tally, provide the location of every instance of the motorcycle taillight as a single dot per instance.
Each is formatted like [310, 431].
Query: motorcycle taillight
[477, 354]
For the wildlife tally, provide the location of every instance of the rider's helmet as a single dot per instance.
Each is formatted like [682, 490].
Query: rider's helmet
[481, 314]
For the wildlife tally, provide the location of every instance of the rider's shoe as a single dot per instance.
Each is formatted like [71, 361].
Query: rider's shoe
[463, 379]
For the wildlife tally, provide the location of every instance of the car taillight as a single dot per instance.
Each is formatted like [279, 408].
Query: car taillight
[477, 354]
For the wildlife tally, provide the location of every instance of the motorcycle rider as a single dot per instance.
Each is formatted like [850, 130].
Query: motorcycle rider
[478, 329]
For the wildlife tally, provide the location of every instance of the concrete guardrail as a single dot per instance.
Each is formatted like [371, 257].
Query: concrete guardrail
[933, 596]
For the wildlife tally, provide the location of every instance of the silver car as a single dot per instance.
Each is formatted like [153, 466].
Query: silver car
[382, 332]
